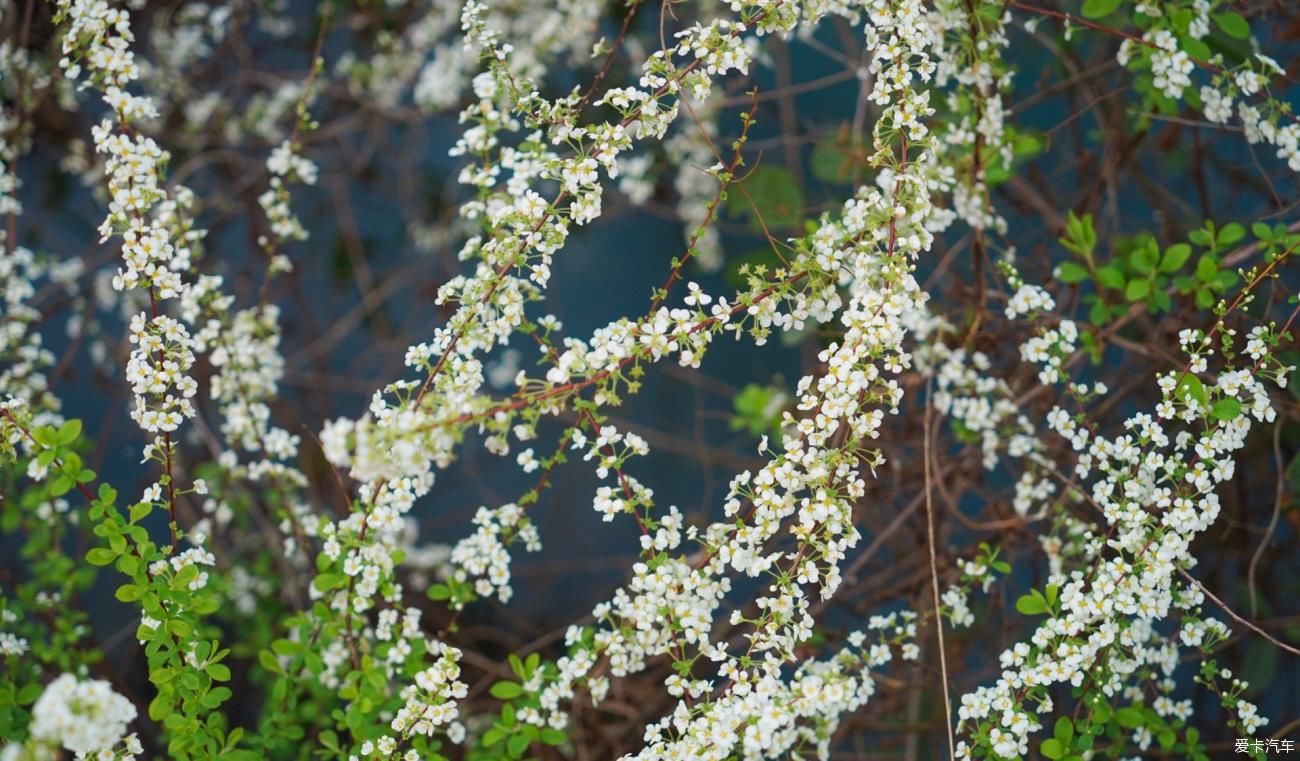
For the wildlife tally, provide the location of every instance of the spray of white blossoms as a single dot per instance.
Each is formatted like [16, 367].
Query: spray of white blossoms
[1154, 486]
[97, 44]
[877, 239]
[727, 609]
[85, 717]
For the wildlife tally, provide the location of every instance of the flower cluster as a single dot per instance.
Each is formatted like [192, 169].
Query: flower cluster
[157, 373]
[1163, 49]
[97, 38]
[969, 54]
[483, 556]
[808, 490]
[285, 165]
[24, 358]
[1154, 486]
[84, 717]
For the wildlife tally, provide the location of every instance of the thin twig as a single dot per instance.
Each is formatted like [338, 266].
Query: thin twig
[1272, 524]
[934, 563]
[1235, 617]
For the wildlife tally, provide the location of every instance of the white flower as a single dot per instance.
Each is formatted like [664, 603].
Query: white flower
[83, 717]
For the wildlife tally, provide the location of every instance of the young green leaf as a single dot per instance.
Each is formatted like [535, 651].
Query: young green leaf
[1111, 277]
[1031, 604]
[1063, 731]
[1233, 25]
[1095, 9]
[1070, 272]
[1052, 748]
[1175, 257]
[1226, 409]
[1138, 289]
[507, 690]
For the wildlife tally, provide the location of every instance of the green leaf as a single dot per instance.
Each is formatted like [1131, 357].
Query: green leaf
[1027, 146]
[1111, 277]
[1231, 232]
[1095, 9]
[1052, 748]
[516, 745]
[129, 564]
[205, 604]
[1136, 290]
[45, 436]
[129, 593]
[517, 666]
[1190, 387]
[1194, 48]
[1070, 272]
[1207, 267]
[328, 739]
[162, 675]
[1144, 258]
[268, 661]
[184, 576]
[1175, 257]
[1233, 25]
[552, 736]
[61, 485]
[439, 592]
[100, 556]
[29, 693]
[1161, 300]
[757, 409]
[1063, 731]
[1166, 738]
[69, 431]
[160, 706]
[507, 690]
[1129, 717]
[1227, 408]
[285, 647]
[1079, 236]
[215, 697]
[71, 464]
[326, 581]
[1031, 604]
[219, 672]
[1101, 712]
